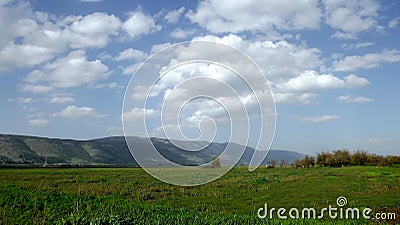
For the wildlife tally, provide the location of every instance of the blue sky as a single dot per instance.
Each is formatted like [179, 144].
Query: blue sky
[332, 65]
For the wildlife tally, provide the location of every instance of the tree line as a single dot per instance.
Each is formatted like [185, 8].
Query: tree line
[344, 157]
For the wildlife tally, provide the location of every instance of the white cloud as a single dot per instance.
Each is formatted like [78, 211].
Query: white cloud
[15, 20]
[291, 69]
[107, 85]
[105, 56]
[221, 16]
[44, 36]
[281, 60]
[158, 47]
[288, 97]
[351, 16]
[36, 88]
[71, 71]
[394, 22]
[38, 122]
[312, 81]
[129, 70]
[25, 100]
[139, 24]
[357, 45]
[367, 61]
[345, 36]
[352, 81]
[90, 31]
[115, 131]
[14, 56]
[131, 54]
[173, 16]
[318, 119]
[350, 99]
[73, 112]
[138, 113]
[61, 99]
[178, 33]
[93, 30]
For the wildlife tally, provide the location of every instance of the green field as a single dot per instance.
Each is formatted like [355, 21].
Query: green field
[131, 196]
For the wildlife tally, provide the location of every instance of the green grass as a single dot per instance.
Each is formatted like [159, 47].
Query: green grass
[130, 195]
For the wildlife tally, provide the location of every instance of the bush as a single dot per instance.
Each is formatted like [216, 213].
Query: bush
[358, 158]
[307, 161]
[342, 158]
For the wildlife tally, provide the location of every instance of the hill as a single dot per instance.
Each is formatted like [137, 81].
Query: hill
[19, 149]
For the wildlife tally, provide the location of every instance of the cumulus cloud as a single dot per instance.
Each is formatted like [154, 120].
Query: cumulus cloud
[93, 30]
[35, 88]
[367, 61]
[257, 15]
[131, 54]
[76, 31]
[312, 81]
[281, 60]
[15, 20]
[46, 36]
[291, 69]
[61, 99]
[179, 33]
[138, 24]
[74, 112]
[158, 47]
[15, 56]
[71, 71]
[350, 99]
[318, 119]
[129, 70]
[138, 113]
[352, 81]
[290, 97]
[351, 16]
[173, 16]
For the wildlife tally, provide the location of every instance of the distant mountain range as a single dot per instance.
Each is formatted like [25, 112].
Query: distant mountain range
[18, 149]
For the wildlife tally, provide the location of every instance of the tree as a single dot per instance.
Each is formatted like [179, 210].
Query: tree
[306, 161]
[359, 158]
[324, 159]
[342, 157]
